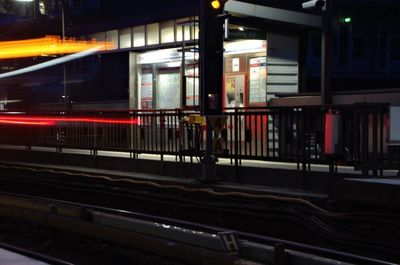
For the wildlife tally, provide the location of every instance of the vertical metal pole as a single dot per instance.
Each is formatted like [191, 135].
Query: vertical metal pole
[326, 54]
[66, 100]
[194, 76]
[209, 172]
[183, 69]
[62, 19]
[211, 65]
[35, 9]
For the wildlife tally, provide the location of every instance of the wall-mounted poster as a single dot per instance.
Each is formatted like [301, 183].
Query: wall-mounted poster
[235, 64]
[258, 80]
[146, 91]
[234, 90]
[230, 84]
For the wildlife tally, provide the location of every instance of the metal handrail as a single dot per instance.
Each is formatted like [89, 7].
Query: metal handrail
[273, 133]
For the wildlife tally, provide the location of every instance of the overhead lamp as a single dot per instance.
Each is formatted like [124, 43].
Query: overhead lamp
[215, 4]
[314, 4]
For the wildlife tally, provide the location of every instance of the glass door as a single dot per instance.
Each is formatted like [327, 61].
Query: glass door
[168, 88]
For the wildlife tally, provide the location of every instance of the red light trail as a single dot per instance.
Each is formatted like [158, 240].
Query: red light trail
[21, 122]
[51, 121]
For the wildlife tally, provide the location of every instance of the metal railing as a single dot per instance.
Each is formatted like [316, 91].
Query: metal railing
[354, 135]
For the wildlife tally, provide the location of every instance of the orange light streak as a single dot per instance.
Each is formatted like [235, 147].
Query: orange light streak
[49, 45]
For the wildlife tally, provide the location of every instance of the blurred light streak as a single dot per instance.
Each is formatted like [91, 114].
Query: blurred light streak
[53, 62]
[96, 120]
[61, 119]
[48, 45]
[6, 101]
[36, 123]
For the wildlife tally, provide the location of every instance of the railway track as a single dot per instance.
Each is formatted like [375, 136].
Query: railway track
[254, 215]
[173, 240]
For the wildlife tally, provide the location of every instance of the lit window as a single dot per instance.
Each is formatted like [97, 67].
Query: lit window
[183, 29]
[125, 38]
[138, 36]
[112, 36]
[167, 32]
[153, 34]
[195, 30]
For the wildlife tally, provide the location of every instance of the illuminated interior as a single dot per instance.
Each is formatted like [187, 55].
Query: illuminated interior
[162, 76]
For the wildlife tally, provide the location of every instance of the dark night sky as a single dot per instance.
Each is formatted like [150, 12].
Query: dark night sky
[130, 7]
[130, 12]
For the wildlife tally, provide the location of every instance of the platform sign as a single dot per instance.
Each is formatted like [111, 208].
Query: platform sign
[229, 241]
[217, 123]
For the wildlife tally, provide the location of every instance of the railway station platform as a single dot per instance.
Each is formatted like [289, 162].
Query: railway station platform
[189, 183]
[379, 193]
[256, 177]
[276, 177]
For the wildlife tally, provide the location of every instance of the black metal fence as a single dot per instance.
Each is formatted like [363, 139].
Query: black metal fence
[353, 135]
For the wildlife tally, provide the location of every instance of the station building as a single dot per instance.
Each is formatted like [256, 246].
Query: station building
[161, 60]
[272, 55]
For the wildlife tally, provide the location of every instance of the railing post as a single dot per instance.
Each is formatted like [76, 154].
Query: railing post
[60, 137]
[236, 117]
[94, 138]
[181, 136]
[303, 142]
[209, 172]
[365, 142]
[29, 135]
[381, 125]
[375, 141]
[162, 133]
